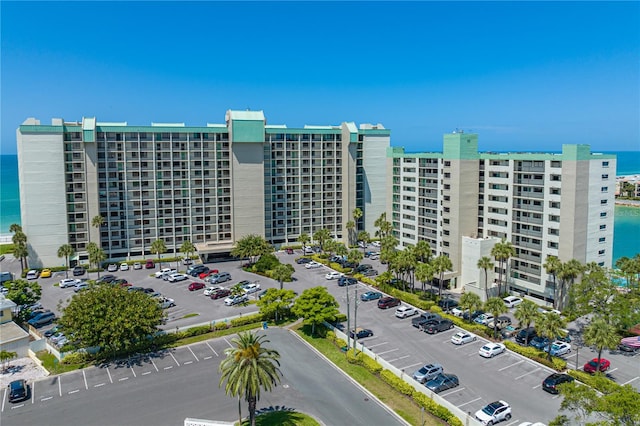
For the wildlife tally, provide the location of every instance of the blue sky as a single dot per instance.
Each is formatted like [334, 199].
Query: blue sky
[524, 76]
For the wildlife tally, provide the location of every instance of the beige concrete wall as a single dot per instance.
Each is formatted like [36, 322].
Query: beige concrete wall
[247, 186]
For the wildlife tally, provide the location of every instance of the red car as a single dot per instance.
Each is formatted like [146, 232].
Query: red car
[196, 286]
[205, 274]
[593, 365]
[388, 302]
[223, 292]
[149, 264]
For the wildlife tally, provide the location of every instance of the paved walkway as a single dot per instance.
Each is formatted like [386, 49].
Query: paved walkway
[22, 368]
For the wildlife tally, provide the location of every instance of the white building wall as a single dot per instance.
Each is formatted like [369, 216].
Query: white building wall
[472, 277]
[43, 211]
[374, 163]
[601, 201]
[409, 203]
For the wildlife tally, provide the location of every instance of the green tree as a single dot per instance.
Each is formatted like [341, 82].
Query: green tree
[526, 313]
[111, 317]
[282, 273]
[552, 265]
[251, 247]
[304, 239]
[425, 272]
[620, 407]
[158, 247]
[551, 326]
[422, 251]
[188, 249]
[496, 307]
[315, 305]
[248, 368]
[66, 251]
[601, 334]
[485, 263]
[322, 236]
[567, 274]
[441, 265]
[20, 251]
[96, 256]
[275, 301]
[23, 293]
[578, 399]
[384, 226]
[471, 302]
[594, 293]
[357, 215]
[365, 238]
[502, 252]
[351, 225]
[6, 357]
[355, 256]
[97, 222]
[388, 245]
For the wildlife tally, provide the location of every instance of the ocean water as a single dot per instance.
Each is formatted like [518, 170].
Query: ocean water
[626, 226]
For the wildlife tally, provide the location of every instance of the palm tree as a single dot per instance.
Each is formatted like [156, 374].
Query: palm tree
[502, 251]
[248, 368]
[365, 238]
[19, 239]
[495, 306]
[470, 302]
[486, 263]
[187, 248]
[425, 272]
[552, 265]
[158, 247]
[350, 230]
[551, 326]
[600, 334]
[304, 239]
[384, 227]
[422, 251]
[442, 264]
[569, 271]
[322, 236]
[282, 273]
[97, 223]
[66, 251]
[526, 313]
[96, 255]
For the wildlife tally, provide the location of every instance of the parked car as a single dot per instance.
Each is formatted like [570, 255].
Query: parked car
[313, 264]
[195, 270]
[57, 337]
[374, 256]
[45, 273]
[124, 266]
[491, 349]
[219, 278]
[308, 250]
[137, 265]
[370, 273]
[406, 311]
[177, 277]
[428, 372]
[388, 302]
[475, 314]
[220, 293]
[362, 267]
[196, 286]
[447, 304]
[437, 326]
[33, 274]
[112, 267]
[81, 286]
[187, 261]
[166, 303]
[499, 323]
[424, 318]
[53, 330]
[344, 281]
[558, 348]
[288, 250]
[457, 312]
[494, 413]
[595, 365]
[360, 333]
[539, 342]
[149, 264]
[250, 288]
[210, 290]
[206, 272]
[18, 391]
[442, 382]
[165, 271]
[462, 337]
[303, 260]
[42, 319]
[234, 300]
[375, 243]
[525, 335]
[67, 282]
[512, 301]
[551, 382]
[106, 279]
[136, 288]
[333, 275]
[370, 295]
[483, 319]
[78, 271]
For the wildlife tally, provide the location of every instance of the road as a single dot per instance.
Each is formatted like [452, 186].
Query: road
[173, 385]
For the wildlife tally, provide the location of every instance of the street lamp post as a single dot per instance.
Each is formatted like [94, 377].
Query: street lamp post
[355, 316]
[348, 319]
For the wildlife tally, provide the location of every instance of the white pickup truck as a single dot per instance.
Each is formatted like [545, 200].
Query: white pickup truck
[166, 272]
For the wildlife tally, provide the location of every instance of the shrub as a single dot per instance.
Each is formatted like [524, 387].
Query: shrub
[341, 317]
[221, 325]
[331, 336]
[237, 322]
[75, 358]
[196, 331]
[397, 383]
[537, 355]
[370, 364]
[266, 263]
[435, 409]
[598, 381]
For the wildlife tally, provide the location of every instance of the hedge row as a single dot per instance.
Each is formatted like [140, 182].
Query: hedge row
[537, 355]
[597, 381]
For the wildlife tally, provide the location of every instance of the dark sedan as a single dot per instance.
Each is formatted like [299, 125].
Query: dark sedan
[78, 270]
[551, 382]
[303, 260]
[388, 302]
[360, 333]
[370, 295]
[18, 391]
[442, 382]
[343, 281]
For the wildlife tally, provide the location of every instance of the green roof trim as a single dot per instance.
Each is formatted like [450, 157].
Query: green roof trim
[247, 131]
[375, 132]
[38, 128]
[308, 131]
[159, 129]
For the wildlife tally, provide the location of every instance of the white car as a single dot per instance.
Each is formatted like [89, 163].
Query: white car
[559, 348]
[210, 290]
[124, 266]
[165, 272]
[376, 243]
[177, 277]
[512, 301]
[494, 413]
[483, 319]
[457, 311]
[166, 302]
[462, 337]
[333, 275]
[374, 256]
[112, 267]
[137, 265]
[313, 264]
[32, 274]
[68, 282]
[406, 311]
[251, 288]
[491, 349]
[234, 300]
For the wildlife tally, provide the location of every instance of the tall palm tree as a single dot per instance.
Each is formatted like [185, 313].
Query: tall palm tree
[97, 223]
[569, 271]
[19, 239]
[600, 334]
[551, 326]
[351, 225]
[158, 247]
[365, 238]
[384, 227]
[425, 272]
[552, 265]
[526, 313]
[304, 239]
[422, 251]
[66, 251]
[187, 248]
[248, 368]
[322, 236]
[471, 302]
[442, 264]
[502, 251]
[282, 273]
[495, 306]
[486, 263]
[96, 255]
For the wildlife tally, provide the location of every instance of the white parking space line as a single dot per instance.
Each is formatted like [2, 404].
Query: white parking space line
[33, 392]
[146, 372]
[526, 374]
[629, 381]
[154, 364]
[509, 366]
[611, 371]
[377, 344]
[412, 365]
[4, 398]
[74, 391]
[46, 398]
[225, 339]
[59, 385]
[174, 358]
[194, 355]
[86, 386]
[133, 371]
[109, 373]
[452, 392]
[169, 367]
[386, 352]
[98, 385]
[122, 379]
[187, 362]
[469, 402]
[212, 350]
[17, 406]
[397, 359]
[536, 387]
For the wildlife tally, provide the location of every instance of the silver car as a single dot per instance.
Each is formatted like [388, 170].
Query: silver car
[428, 372]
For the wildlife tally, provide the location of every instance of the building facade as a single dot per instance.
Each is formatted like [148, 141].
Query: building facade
[544, 204]
[210, 185]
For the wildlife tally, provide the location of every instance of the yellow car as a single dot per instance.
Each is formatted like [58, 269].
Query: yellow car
[46, 273]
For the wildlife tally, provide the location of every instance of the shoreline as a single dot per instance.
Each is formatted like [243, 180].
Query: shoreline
[628, 203]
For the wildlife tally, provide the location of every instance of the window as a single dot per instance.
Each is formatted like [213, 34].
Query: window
[603, 227]
[604, 189]
[601, 252]
[605, 176]
[605, 164]
[603, 214]
[602, 239]
[603, 202]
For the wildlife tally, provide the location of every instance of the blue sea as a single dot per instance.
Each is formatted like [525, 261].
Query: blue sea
[626, 229]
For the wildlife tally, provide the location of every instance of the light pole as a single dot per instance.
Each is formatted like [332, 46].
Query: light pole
[348, 320]
[355, 316]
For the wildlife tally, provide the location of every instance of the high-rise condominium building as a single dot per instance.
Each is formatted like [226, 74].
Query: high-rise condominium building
[215, 184]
